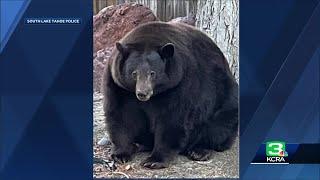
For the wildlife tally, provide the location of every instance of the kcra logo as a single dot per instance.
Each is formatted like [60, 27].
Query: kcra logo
[276, 151]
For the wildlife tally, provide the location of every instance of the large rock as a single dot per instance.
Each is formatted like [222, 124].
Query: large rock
[113, 22]
[109, 26]
[99, 62]
[190, 20]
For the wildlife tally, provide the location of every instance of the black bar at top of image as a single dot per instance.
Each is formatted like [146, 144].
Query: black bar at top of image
[306, 154]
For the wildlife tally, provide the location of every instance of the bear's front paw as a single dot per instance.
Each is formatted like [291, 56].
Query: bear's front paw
[154, 163]
[121, 157]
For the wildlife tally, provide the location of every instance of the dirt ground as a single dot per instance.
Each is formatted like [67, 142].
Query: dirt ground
[221, 164]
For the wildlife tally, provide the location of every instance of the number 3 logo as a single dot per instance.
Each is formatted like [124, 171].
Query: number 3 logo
[274, 148]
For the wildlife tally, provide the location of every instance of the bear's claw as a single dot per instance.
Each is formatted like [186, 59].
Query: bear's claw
[152, 164]
[121, 158]
[199, 154]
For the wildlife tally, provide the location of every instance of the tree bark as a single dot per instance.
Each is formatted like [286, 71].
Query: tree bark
[220, 20]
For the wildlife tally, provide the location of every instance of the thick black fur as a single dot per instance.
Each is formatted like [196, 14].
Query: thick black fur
[194, 110]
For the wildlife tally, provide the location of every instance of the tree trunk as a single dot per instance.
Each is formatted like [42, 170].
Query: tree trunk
[220, 20]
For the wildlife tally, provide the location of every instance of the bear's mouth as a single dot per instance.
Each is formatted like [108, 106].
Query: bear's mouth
[143, 96]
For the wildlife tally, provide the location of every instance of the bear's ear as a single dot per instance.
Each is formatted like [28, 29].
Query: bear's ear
[122, 49]
[167, 51]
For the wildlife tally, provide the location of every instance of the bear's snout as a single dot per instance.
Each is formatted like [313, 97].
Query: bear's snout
[143, 95]
[144, 87]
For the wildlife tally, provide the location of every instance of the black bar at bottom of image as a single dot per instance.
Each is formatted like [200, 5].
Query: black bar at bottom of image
[306, 154]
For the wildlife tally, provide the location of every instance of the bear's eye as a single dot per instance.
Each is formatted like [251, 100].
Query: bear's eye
[134, 75]
[153, 74]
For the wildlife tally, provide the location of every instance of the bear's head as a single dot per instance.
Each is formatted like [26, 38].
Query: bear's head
[143, 71]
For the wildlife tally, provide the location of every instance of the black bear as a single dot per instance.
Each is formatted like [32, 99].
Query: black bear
[168, 89]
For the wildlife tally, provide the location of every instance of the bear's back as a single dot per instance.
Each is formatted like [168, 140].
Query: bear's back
[188, 40]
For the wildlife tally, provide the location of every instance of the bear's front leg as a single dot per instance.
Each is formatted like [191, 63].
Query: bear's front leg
[122, 140]
[168, 141]
[125, 123]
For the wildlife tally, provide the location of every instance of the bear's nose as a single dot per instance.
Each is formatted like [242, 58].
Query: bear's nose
[141, 95]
